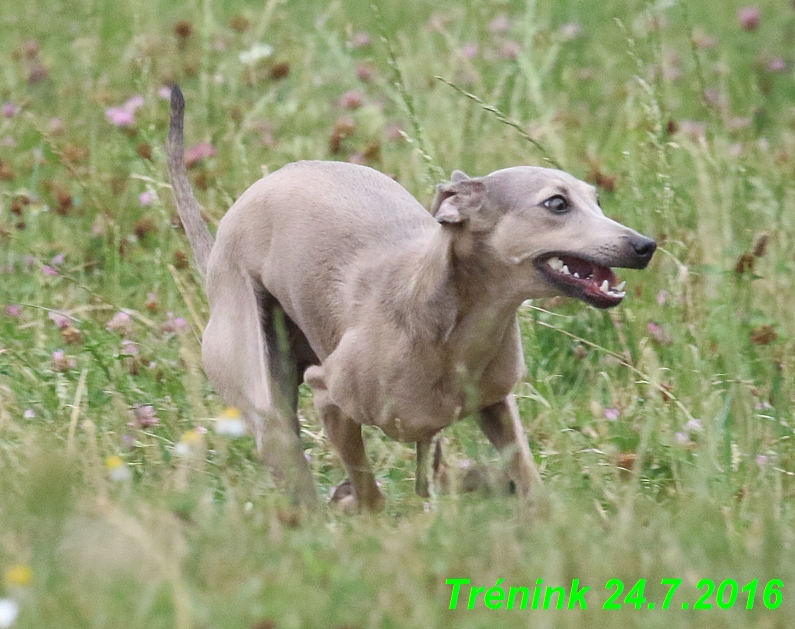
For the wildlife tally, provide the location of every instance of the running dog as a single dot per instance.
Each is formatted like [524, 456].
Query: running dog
[395, 316]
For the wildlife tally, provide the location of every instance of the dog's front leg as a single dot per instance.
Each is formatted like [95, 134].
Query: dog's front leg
[503, 427]
[346, 436]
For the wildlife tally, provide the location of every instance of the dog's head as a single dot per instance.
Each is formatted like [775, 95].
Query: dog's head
[548, 228]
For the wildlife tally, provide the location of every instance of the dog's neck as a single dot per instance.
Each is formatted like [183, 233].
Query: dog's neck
[457, 293]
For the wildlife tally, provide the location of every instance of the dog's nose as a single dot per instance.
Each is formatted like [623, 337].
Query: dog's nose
[644, 248]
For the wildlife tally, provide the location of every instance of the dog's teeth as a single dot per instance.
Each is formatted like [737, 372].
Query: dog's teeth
[555, 263]
[620, 294]
[605, 287]
[565, 270]
[621, 286]
[577, 275]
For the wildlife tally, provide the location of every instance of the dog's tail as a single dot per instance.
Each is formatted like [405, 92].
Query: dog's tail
[201, 241]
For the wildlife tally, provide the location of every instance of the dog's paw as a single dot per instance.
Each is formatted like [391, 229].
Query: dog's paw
[343, 498]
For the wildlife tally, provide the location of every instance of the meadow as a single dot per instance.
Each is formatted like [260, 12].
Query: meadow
[663, 428]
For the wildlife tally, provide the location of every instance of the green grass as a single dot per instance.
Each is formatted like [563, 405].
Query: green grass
[697, 364]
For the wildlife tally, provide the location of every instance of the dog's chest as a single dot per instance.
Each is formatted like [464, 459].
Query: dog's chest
[415, 405]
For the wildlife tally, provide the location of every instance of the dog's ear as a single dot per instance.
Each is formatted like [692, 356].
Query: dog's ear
[458, 175]
[457, 200]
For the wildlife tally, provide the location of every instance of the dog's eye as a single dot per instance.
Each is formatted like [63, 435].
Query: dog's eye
[556, 204]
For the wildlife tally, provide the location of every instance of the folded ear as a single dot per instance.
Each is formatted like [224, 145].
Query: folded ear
[457, 200]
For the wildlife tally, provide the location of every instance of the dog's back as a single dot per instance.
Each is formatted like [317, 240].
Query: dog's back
[305, 228]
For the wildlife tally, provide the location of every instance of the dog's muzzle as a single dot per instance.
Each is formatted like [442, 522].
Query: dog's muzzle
[592, 280]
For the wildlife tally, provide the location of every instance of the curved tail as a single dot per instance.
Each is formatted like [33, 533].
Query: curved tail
[201, 241]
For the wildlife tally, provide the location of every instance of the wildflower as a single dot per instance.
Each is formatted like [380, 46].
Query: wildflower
[712, 96]
[682, 438]
[71, 335]
[570, 30]
[29, 413]
[174, 324]
[20, 575]
[9, 610]
[202, 151]
[129, 348]
[189, 442]
[118, 470]
[230, 423]
[134, 103]
[120, 322]
[777, 64]
[364, 72]
[394, 132]
[9, 110]
[145, 416]
[500, 24]
[693, 128]
[510, 50]
[763, 335]
[29, 49]
[55, 126]
[164, 92]
[240, 23]
[256, 53]
[47, 270]
[693, 425]
[146, 198]
[662, 297]
[739, 122]
[658, 334]
[749, 18]
[361, 40]
[13, 310]
[761, 460]
[612, 414]
[151, 301]
[352, 99]
[672, 74]
[702, 40]
[61, 362]
[120, 117]
[37, 72]
[61, 320]
[183, 29]
[469, 50]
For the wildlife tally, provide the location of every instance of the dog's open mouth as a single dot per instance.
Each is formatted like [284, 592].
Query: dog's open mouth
[576, 277]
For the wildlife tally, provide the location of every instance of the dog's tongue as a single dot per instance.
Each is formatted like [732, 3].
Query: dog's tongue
[586, 270]
[602, 273]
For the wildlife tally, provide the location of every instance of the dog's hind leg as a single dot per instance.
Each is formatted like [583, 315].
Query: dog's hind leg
[289, 354]
[429, 467]
[503, 427]
[236, 361]
[421, 483]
